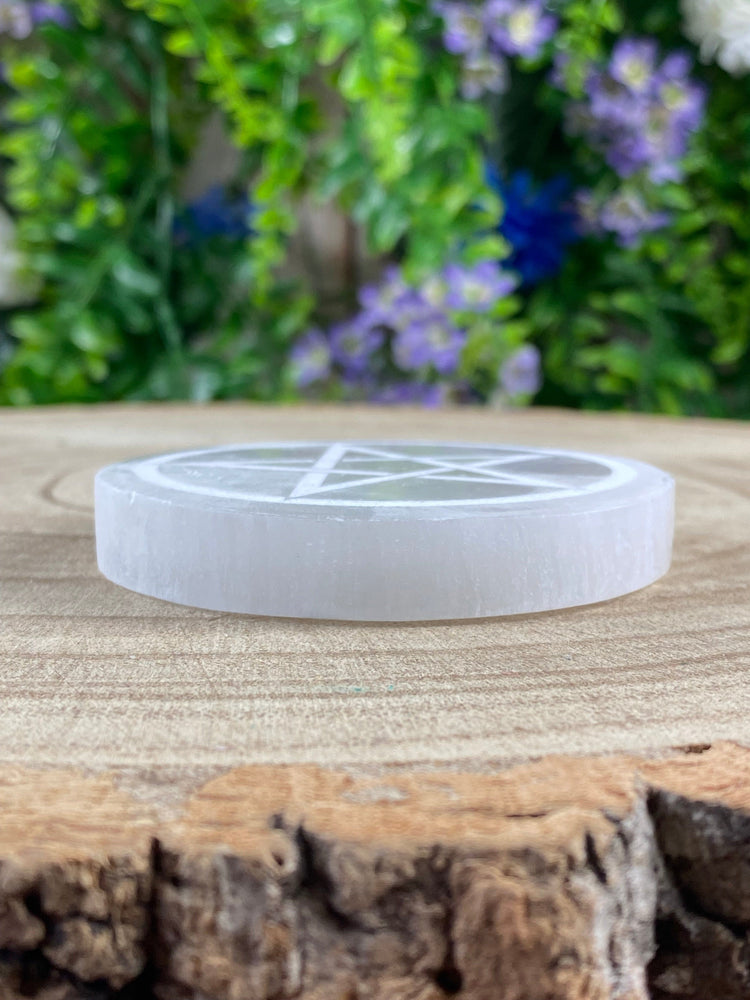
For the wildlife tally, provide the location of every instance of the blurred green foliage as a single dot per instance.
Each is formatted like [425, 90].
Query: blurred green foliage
[353, 101]
[356, 102]
[102, 119]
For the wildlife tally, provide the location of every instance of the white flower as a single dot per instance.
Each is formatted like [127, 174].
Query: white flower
[16, 287]
[721, 28]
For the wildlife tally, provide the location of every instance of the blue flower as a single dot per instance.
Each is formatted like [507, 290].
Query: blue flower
[215, 213]
[538, 223]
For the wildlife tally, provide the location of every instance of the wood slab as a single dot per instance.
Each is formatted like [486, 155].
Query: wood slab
[207, 806]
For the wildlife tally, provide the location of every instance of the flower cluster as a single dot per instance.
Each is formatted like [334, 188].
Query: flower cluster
[18, 18]
[406, 344]
[640, 113]
[485, 34]
[624, 214]
[722, 30]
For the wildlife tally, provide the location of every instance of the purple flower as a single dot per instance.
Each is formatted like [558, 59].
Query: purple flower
[15, 19]
[675, 66]
[41, 12]
[412, 308]
[379, 302]
[520, 374]
[630, 152]
[633, 64]
[310, 358]
[477, 288]
[396, 305]
[353, 343]
[611, 106]
[483, 72]
[485, 34]
[681, 98]
[433, 290]
[640, 115]
[429, 342]
[627, 217]
[666, 145]
[411, 393]
[464, 29]
[677, 112]
[519, 27]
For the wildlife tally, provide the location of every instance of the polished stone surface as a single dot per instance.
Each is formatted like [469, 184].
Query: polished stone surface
[383, 531]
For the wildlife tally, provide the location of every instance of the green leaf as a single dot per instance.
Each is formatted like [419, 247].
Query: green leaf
[182, 42]
[388, 225]
[133, 275]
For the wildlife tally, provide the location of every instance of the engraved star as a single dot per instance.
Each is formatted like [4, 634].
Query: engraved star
[341, 467]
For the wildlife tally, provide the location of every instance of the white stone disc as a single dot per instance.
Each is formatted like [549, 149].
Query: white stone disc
[383, 531]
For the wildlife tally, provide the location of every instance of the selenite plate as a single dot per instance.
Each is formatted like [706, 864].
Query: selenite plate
[383, 531]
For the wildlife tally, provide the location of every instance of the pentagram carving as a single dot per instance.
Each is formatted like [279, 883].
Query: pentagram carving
[382, 473]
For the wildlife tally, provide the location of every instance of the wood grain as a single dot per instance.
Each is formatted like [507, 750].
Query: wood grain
[93, 673]
[197, 806]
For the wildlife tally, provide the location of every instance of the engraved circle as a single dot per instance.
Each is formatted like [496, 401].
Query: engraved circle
[377, 474]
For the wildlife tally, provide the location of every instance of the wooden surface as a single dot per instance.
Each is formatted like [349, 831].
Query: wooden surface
[95, 673]
[197, 805]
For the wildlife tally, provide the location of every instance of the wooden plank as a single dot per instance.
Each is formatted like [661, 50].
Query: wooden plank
[145, 750]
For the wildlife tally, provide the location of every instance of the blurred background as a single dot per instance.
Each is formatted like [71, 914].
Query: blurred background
[507, 202]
